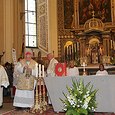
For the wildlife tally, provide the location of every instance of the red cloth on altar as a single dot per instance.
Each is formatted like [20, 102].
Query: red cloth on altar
[60, 69]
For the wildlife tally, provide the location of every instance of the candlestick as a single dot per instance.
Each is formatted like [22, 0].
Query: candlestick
[39, 70]
[36, 69]
[43, 70]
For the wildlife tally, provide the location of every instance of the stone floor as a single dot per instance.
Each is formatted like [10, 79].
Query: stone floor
[7, 105]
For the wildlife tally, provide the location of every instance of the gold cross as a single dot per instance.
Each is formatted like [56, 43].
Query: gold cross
[93, 13]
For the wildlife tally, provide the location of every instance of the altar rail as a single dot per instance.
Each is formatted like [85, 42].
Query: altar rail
[105, 97]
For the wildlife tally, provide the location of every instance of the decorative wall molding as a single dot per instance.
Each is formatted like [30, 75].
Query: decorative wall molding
[42, 24]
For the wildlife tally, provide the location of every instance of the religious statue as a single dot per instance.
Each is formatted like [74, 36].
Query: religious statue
[40, 60]
[73, 22]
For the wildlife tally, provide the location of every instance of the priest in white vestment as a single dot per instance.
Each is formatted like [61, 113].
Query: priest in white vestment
[4, 82]
[51, 66]
[16, 73]
[51, 69]
[72, 71]
[101, 71]
[25, 98]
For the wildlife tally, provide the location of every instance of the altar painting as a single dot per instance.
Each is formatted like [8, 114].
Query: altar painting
[102, 9]
[68, 13]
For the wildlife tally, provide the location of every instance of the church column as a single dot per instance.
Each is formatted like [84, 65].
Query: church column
[8, 29]
[106, 48]
[83, 57]
[12, 28]
[84, 50]
[84, 47]
[52, 25]
[1, 30]
[81, 48]
[108, 44]
[19, 25]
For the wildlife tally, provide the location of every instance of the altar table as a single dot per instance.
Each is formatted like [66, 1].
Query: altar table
[105, 97]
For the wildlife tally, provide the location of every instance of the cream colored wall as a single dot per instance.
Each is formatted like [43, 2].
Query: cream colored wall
[1, 27]
[11, 28]
[8, 29]
[53, 35]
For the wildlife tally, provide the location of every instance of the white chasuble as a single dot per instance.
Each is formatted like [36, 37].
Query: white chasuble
[51, 67]
[25, 98]
[3, 82]
[51, 71]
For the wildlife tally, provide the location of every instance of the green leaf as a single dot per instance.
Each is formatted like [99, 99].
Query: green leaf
[84, 111]
[62, 100]
[64, 94]
[71, 112]
[93, 93]
[74, 84]
[90, 88]
[87, 85]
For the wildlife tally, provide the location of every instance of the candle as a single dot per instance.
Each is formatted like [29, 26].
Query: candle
[111, 44]
[43, 70]
[67, 50]
[70, 50]
[36, 69]
[75, 47]
[39, 70]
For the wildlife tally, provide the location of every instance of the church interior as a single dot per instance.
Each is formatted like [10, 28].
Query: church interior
[79, 30]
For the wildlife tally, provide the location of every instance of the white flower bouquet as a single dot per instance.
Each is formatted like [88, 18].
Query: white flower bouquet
[80, 100]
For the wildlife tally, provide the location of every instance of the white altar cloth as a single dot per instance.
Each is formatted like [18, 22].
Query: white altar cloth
[105, 97]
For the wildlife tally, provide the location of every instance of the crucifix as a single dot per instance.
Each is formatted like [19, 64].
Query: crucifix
[84, 74]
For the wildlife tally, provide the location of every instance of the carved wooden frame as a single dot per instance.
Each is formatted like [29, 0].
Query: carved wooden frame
[76, 11]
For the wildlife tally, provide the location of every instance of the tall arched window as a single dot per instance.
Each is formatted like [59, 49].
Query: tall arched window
[30, 23]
